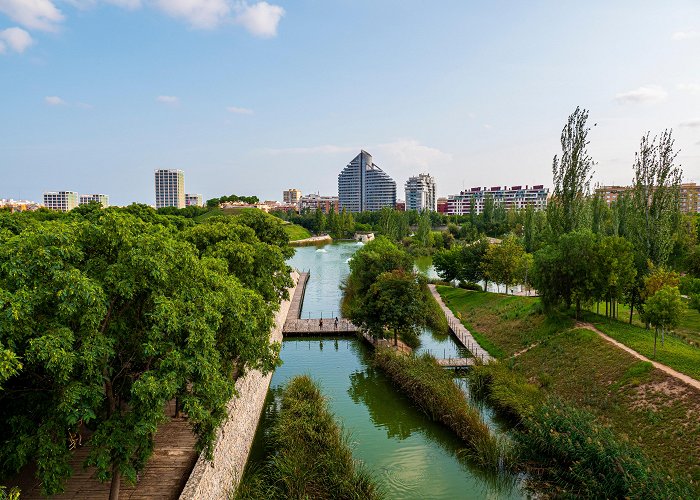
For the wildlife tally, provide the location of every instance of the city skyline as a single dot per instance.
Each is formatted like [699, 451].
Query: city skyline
[488, 104]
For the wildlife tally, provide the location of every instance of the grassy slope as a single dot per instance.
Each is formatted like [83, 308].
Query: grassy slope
[296, 232]
[649, 407]
[674, 353]
[688, 330]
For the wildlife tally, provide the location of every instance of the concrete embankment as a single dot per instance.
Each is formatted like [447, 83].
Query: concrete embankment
[314, 240]
[219, 478]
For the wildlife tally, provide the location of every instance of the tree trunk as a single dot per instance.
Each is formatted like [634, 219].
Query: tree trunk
[656, 331]
[606, 307]
[631, 309]
[116, 480]
[597, 307]
[396, 340]
[578, 308]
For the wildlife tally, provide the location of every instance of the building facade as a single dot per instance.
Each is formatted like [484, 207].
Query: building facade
[103, 199]
[689, 195]
[194, 200]
[420, 193]
[316, 201]
[170, 188]
[61, 200]
[363, 186]
[511, 198]
[291, 196]
[442, 205]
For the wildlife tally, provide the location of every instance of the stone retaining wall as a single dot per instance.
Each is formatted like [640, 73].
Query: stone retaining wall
[219, 479]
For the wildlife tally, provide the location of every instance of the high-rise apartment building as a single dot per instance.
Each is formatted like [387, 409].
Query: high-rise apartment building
[61, 200]
[170, 188]
[193, 200]
[362, 185]
[515, 197]
[291, 196]
[420, 193]
[103, 199]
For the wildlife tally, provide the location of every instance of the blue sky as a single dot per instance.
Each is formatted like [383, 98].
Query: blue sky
[254, 97]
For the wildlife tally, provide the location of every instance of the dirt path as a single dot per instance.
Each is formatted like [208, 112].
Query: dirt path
[670, 371]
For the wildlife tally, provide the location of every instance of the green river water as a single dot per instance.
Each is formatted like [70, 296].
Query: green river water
[411, 457]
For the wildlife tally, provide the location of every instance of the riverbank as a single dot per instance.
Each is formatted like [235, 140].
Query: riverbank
[314, 240]
[637, 402]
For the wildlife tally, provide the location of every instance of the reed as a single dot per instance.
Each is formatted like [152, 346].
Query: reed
[311, 457]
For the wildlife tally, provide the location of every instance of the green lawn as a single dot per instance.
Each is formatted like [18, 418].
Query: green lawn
[519, 319]
[639, 403]
[296, 232]
[688, 330]
[675, 353]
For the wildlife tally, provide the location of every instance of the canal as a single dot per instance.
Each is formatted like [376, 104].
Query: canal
[410, 456]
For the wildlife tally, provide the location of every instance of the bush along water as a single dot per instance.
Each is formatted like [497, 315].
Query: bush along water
[568, 453]
[311, 457]
[432, 389]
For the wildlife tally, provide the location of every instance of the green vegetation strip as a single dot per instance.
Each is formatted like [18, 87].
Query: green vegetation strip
[568, 450]
[311, 457]
[674, 352]
[296, 232]
[432, 389]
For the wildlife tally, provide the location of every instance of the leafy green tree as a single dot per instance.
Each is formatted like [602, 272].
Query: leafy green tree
[663, 311]
[566, 272]
[655, 198]
[503, 262]
[103, 322]
[395, 303]
[319, 221]
[572, 175]
[423, 230]
[616, 270]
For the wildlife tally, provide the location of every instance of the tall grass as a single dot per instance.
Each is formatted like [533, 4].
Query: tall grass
[566, 449]
[311, 457]
[432, 389]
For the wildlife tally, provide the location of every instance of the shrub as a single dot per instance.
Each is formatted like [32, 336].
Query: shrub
[313, 458]
[467, 285]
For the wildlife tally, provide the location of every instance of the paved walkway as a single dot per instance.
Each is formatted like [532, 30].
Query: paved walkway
[666, 369]
[463, 335]
[298, 297]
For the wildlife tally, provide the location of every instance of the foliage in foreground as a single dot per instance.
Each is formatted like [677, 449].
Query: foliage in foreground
[567, 449]
[312, 458]
[107, 315]
[431, 387]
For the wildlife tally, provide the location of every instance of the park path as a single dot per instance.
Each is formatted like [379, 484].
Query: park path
[666, 369]
[463, 335]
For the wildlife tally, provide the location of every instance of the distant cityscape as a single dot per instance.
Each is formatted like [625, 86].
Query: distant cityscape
[362, 186]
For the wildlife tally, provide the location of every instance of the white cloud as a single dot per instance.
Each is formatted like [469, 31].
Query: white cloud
[410, 153]
[53, 100]
[239, 111]
[202, 14]
[645, 93]
[168, 99]
[488, 126]
[686, 35]
[693, 88]
[692, 123]
[260, 19]
[16, 38]
[34, 14]
[126, 4]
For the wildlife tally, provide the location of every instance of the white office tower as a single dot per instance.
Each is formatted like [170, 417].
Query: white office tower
[170, 188]
[102, 199]
[363, 186]
[420, 193]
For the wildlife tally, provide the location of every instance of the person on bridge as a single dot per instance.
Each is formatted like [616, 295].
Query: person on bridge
[336, 322]
[320, 323]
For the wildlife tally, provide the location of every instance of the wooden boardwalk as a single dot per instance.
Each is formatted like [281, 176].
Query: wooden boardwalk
[455, 362]
[298, 298]
[164, 476]
[463, 335]
[315, 327]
